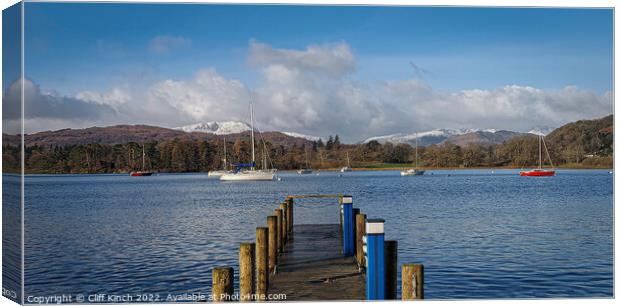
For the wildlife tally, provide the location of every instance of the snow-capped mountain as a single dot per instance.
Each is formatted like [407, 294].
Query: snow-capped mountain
[424, 138]
[542, 130]
[299, 135]
[232, 127]
[217, 128]
[457, 136]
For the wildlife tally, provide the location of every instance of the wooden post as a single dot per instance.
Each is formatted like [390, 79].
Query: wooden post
[284, 209]
[360, 227]
[290, 215]
[272, 223]
[412, 282]
[222, 287]
[279, 230]
[391, 268]
[247, 267]
[262, 262]
[356, 211]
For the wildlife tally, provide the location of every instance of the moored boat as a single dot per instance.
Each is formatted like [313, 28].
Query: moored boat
[412, 172]
[540, 171]
[142, 172]
[249, 175]
[347, 168]
[242, 173]
[306, 170]
[537, 172]
[415, 170]
[219, 173]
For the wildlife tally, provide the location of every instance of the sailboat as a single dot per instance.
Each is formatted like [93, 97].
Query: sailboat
[415, 170]
[348, 167]
[540, 171]
[142, 172]
[306, 170]
[218, 173]
[242, 173]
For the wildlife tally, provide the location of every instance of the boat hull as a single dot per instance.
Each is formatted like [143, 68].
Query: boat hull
[345, 169]
[412, 172]
[218, 173]
[304, 171]
[537, 173]
[248, 176]
[140, 173]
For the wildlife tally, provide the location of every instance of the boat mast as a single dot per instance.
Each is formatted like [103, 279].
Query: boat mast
[143, 157]
[225, 152]
[416, 150]
[547, 151]
[264, 159]
[348, 162]
[539, 152]
[307, 159]
[252, 127]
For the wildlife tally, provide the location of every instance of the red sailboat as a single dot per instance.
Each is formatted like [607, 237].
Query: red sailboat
[540, 171]
[142, 172]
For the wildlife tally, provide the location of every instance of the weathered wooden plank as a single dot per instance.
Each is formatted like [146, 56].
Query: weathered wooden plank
[313, 267]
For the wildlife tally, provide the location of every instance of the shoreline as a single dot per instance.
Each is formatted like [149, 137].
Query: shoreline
[337, 170]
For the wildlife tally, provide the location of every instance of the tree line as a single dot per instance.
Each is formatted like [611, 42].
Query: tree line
[180, 155]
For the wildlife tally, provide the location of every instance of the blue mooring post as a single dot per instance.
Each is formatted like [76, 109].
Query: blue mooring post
[347, 225]
[375, 262]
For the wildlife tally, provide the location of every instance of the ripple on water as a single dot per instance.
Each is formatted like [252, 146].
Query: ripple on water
[479, 235]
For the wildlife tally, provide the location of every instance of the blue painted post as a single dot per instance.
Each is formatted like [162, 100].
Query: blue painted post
[375, 262]
[347, 225]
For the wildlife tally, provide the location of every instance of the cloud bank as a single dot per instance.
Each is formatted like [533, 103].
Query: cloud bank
[313, 91]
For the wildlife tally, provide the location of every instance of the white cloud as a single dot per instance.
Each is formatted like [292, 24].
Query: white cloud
[330, 59]
[311, 91]
[208, 96]
[165, 43]
[115, 98]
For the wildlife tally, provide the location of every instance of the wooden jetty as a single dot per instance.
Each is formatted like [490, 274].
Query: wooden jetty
[313, 262]
[312, 267]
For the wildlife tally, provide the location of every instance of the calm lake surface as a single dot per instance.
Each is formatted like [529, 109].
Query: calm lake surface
[479, 234]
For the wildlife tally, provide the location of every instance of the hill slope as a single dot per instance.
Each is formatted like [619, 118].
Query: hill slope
[578, 140]
[120, 134]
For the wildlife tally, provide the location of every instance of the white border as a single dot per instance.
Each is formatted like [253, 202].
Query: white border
[489, 3]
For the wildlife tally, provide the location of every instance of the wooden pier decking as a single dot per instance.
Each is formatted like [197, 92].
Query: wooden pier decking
[350, 261]
[313, 267]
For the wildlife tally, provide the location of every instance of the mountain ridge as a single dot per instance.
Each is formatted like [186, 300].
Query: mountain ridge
[460, 137]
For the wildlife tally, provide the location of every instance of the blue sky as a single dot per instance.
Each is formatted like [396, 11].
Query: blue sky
[95, 45]
[99, 48]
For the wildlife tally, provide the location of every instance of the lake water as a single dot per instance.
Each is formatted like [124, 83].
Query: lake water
[479, 234]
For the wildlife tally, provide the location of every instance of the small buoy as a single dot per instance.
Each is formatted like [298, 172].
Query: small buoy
[279, 178]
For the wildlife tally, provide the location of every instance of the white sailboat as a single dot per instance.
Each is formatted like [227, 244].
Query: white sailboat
[347, 168]
[415, 170]
[218, 173]
[306, 170]
[251, 174]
